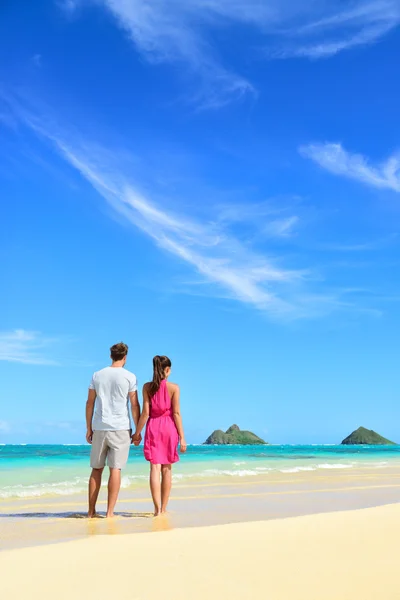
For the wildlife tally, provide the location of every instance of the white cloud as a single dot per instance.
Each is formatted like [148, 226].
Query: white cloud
[26, 347]
[69, 6]
[335, 159]
[184, 31]
[165, 32]
[217, 250]
[360, 24]
[210, 247]
[282, 228]
[376, 244]
[215, 254]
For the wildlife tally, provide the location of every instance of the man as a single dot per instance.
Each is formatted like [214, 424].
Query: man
[109, 428]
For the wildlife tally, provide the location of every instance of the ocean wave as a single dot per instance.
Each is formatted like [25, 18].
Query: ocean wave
[239, 469]
[233, 473]
[128, 480]
[61, 488]
[335, 466]
[297, 469]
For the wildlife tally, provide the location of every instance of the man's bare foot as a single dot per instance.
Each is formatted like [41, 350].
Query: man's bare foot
[93, 515]
[157, 513]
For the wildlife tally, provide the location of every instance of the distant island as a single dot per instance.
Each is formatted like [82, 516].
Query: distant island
[233, 435]
[366, 436]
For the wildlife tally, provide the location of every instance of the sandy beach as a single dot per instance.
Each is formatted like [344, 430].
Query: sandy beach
[319, 557]
[297, 533]
[49, 519]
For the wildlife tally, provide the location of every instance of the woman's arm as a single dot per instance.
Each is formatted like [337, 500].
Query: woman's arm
[136, 438]
[176, 412]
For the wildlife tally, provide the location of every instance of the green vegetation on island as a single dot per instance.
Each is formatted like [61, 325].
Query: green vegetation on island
[367, 436]
[233, 436]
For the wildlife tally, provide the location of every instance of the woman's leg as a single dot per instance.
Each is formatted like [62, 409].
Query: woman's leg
[155, 487]
[166, 483]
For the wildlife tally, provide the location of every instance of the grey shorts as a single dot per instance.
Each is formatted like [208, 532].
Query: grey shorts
[111, 445]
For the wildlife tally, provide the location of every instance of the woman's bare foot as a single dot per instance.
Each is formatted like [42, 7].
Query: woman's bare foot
[110, 515]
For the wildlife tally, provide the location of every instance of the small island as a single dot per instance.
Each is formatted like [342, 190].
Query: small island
[367, 436]
[234, 435]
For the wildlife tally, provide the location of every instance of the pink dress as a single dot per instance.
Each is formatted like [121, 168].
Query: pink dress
[161, 439]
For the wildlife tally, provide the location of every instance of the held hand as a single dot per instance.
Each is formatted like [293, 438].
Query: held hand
[136, 439]
[183, 446]
[89, 436]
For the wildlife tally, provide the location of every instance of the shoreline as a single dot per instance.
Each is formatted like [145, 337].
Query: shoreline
[327, 556]
[40, 471]
[49, 520]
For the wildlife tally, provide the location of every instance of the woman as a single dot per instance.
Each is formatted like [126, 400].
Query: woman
[161, 411]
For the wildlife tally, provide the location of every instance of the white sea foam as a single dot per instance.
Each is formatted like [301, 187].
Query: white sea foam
[62, 488]
[127, 480]
[233, 473]
[297, 469]
[334, 466]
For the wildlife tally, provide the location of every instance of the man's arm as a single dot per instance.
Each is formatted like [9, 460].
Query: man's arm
[135, 407]
[137, 438]
[89, 414]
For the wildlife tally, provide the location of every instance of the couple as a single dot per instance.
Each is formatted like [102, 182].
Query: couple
[109, 428]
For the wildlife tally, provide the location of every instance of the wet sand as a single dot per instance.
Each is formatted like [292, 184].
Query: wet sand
[203, 503]
[342, 555]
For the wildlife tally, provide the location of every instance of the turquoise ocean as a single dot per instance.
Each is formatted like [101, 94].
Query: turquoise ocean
[31, 471]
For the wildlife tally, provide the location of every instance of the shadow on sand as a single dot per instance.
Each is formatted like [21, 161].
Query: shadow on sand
[73, 515]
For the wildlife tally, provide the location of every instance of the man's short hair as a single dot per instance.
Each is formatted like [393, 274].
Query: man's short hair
[118, 351]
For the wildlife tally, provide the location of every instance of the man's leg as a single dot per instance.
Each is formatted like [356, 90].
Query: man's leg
[97, 461]
[166, 482]
[155, 487]
[114, 484]
[119, 443]
[94, 489]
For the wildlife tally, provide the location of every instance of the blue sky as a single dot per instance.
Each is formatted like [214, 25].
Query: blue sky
[214, 180]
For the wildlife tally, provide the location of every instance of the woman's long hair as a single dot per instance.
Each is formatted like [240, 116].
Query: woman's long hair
[160, 363]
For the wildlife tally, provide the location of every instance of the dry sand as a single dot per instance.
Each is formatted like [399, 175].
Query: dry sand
[334, 556]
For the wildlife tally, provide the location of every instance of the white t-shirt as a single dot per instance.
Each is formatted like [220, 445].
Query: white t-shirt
[112, 386]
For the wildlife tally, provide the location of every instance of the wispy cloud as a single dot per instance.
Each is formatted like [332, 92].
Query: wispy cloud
[335, 159]
[281, 228]
[216, 255]
[230, 260]
[224, 262]
[69, 6]
[372, 245]
[361, 24]
[168, 32]
[26, 347]
[182, 31]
